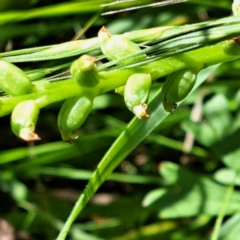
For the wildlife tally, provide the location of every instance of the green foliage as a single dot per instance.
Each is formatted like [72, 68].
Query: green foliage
[176, 174]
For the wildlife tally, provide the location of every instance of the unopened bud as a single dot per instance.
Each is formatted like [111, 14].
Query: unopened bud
[23, 120]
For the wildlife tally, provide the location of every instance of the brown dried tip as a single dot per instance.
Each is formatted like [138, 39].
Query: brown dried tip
[86, 62]
[103, 33]
[235, 40]
[28, 136]
[140, 111]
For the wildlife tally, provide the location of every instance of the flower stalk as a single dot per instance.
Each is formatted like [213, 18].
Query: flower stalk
[45, 92]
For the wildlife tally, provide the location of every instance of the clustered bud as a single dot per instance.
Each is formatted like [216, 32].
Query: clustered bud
[75, 110]
[136, 93]
[177, 86]
[73, 114]
[84, 71]
[23, 120]
[13, 80]
[138, 85]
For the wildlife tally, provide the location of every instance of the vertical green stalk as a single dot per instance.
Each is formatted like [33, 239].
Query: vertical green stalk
[221, 214]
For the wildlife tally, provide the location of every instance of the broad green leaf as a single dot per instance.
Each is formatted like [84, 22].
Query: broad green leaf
[169, 173]
[217, 124]
[16, 189]
[190, 196]
[232, 159]
[227, 176]
[228, 150]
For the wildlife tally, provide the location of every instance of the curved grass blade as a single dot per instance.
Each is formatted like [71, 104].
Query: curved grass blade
[160, 39]
[54, 10]
[157, 4]
[136, 131]
[141, 5]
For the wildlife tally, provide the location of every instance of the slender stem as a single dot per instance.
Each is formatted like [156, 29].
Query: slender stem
[206, 56]
[221, 214]
[46, 92]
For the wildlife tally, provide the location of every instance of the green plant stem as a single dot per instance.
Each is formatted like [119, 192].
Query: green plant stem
[44, 93]
[48, 92]
[86, 175]
[177, 145]
[221, 214]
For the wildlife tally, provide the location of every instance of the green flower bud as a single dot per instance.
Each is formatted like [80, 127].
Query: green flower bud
[177, 86]
[23, 120]
[115, 47]
[13, 80]
[136, 93]
[84, 71]
[72, 115]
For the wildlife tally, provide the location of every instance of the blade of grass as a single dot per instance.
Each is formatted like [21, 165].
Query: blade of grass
[76, 174]
[177, 145]
[55, 10]
[157, 4]
[221, 214]
[161, 35]
[56, 151]
[61, 9]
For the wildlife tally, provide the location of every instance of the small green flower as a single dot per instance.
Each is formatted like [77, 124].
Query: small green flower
[23, 120]
[177, 86]
[136, 93]
[84, 71]
[73, 114]
[137, 87]
[13, 80]
[115, 47]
